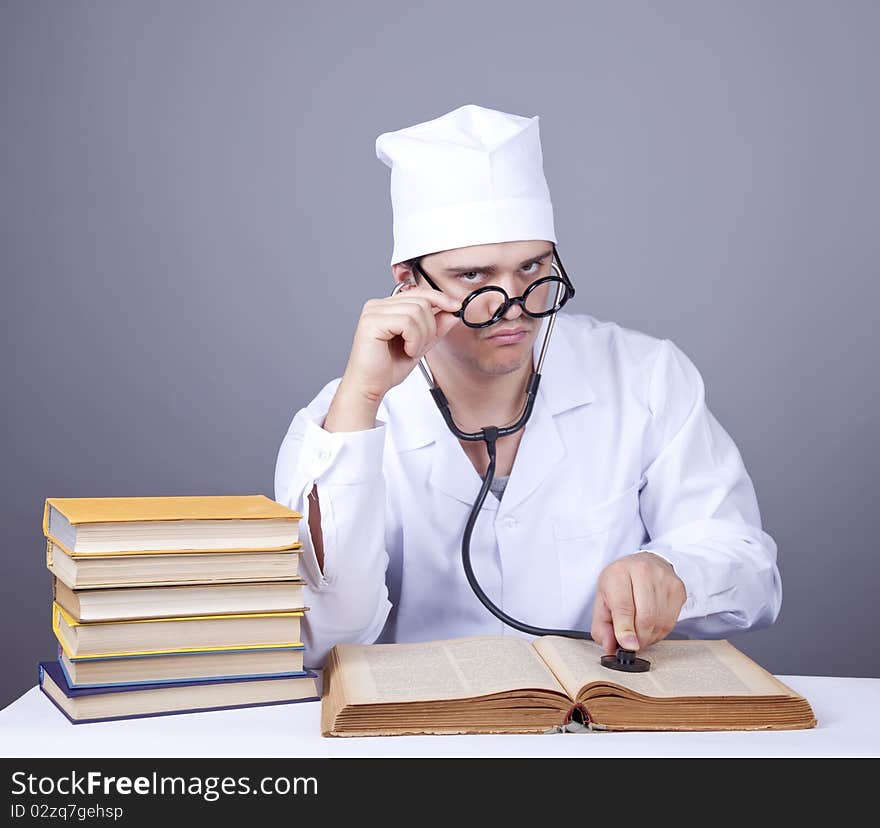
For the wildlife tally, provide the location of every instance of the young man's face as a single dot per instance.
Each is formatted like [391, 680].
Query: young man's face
[505, 346]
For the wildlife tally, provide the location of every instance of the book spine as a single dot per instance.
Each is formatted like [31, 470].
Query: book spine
[56, 620]
[578, 714]
[57, 543]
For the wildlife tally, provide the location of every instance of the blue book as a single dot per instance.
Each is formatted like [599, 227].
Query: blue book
[82, 705]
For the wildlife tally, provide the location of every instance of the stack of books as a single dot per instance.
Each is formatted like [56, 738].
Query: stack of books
[173, 605]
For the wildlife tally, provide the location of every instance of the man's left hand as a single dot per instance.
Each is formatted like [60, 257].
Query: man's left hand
[638, 600]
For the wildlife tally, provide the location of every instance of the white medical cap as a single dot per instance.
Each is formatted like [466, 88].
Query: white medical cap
[472, 176]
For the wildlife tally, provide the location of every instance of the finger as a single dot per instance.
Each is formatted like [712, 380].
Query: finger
[419, 297]
[429, 314]
[389, 325]
[437, 299]
[444, 322]
[619, 597]
[420, 315]
[602, 629]
[648, 611]
[439, 322]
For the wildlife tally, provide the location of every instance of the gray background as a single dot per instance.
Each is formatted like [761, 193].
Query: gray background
[192, 215]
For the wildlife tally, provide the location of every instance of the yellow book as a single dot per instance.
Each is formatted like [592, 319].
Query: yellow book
[110, 526]
[178, 634]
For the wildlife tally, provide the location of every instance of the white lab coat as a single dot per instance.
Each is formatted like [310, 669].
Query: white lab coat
[621, 454]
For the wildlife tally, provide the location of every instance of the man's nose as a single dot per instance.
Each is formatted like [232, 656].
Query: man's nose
[512, 288]
[514, 311]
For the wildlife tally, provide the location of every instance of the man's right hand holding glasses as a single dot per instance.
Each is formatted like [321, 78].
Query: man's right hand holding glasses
[391, 337]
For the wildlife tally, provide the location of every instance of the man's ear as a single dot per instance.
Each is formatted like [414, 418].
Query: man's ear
[403, 274]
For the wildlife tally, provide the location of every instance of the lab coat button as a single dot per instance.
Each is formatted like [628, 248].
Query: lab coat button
[510, 522]
[323, 454]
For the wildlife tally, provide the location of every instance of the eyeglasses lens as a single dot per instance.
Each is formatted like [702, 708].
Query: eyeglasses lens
[484, 306]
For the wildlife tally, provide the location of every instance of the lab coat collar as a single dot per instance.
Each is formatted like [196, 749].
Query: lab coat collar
[564, 385]
[565, 380]
[540, 451]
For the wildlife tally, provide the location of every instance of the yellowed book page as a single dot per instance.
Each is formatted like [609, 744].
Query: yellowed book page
[678, 668]
[454, 669]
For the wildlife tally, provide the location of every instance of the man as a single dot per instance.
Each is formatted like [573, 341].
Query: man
[622, 508]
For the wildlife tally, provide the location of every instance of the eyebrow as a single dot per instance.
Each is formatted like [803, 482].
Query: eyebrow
[494, 268]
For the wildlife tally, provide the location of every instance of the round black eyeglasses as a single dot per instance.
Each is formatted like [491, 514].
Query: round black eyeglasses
[487, 305]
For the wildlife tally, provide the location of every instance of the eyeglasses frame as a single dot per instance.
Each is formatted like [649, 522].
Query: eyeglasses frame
[510, 301]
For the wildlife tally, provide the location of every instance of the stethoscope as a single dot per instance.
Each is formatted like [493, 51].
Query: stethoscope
[624, 659]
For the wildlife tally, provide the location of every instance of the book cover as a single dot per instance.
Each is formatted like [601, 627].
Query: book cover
[260, 647]
[133, 603]
[52, 545]
[79, 510]
[72, 513]
[59, 614]
[179, 569]
[53, 670]
[84, 685]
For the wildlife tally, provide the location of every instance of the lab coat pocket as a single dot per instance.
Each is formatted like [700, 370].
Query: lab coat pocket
[588, 541]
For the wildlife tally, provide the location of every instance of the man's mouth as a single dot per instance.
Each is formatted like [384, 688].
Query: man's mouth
[508, 336]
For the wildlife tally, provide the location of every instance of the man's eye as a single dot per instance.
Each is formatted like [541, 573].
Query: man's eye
[536, 265]
[471, 277]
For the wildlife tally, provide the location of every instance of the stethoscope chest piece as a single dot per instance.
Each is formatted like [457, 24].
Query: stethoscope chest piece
[626, 661]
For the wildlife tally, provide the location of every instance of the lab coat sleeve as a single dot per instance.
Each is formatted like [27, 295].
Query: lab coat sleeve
[700, 509]
[348, 601]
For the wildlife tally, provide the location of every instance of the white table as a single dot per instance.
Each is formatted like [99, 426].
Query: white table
[847, 709]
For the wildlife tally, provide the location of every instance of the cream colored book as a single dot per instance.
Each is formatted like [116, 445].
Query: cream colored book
[509, 684]
[169, 525]
[160, 669]
[168, 570]
[174, 635]
[132, 603]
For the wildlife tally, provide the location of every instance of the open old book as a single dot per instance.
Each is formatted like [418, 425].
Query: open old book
[507, 684]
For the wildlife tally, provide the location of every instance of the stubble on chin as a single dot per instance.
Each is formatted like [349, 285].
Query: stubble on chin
[479, 359]
[496, 365]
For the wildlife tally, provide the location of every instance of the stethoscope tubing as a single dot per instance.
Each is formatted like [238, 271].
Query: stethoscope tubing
[490, 434]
